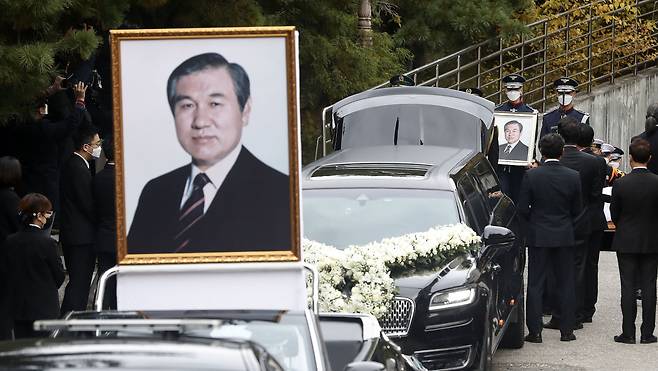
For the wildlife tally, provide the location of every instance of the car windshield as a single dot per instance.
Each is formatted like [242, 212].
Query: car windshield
[410, 124]
[344, 217]
[284, 334]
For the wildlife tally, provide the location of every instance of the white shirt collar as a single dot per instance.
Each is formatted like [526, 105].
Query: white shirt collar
[551, 160]
[216, 173]
[512, 145]
[640, 167]
[83, 159]
[35, 225]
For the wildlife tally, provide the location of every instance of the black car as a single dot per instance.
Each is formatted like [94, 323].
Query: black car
[453, 317]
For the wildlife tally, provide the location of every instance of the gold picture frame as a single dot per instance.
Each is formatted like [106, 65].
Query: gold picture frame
[141, 61]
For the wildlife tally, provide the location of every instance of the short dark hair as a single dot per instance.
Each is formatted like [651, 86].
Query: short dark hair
[586, 136]
[569, 129]
[513, 122]
[108, 148]
[206, 61]
[84, 135]
[32, 204]
[640, 150]
[551, 145]
[10, 172]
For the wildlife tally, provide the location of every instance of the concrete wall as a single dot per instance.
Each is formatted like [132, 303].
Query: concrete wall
[617, 111]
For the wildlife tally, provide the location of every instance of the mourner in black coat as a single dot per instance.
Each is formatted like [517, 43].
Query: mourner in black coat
[10, 176]
[34, 270]
[592, 177]
[550, 200]
[78, 219]
[105, 246]
[633, 210]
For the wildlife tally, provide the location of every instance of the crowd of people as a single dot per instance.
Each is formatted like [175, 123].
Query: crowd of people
[60, 188]
[561, 200]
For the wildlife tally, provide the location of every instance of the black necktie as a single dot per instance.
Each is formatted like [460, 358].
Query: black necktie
[191, 212]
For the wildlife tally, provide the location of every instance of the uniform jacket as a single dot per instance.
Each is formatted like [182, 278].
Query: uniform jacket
[551, 119]
[77, 222]
[550, 201]
[592, 178]
[633, 210]
[34, 274]
[250, 212]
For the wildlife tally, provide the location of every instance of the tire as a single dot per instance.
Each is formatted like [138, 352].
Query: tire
[486, 350]
[513, 337]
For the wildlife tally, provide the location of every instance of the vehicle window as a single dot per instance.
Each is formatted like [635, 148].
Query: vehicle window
[413, 124]
[473, 204]
[488, 183]
[344, 217]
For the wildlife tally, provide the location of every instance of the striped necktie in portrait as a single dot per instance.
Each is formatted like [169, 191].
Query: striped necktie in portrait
[191, 212]
[508, 149]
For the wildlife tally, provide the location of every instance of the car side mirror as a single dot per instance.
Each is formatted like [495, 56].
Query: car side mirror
[364, 366]
[495, 235]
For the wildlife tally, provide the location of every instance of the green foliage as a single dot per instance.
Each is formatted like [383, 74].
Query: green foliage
[432, 29]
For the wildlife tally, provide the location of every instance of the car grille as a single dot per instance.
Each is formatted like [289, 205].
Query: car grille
[398, 319]
[444, 359]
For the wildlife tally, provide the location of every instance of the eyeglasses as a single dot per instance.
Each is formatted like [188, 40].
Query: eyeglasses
[98, 144]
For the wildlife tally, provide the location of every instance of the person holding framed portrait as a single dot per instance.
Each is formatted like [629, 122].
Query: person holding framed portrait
[510, 175]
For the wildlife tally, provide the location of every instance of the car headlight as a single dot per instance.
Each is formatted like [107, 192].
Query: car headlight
[452, 298]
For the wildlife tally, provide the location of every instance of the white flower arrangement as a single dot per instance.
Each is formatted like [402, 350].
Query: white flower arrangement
[359, 279]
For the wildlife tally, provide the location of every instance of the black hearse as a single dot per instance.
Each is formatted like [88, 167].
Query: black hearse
[407, 159]
[453, 317]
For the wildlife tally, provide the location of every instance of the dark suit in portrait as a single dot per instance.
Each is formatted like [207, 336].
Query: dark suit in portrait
[633, 210]
[35, 272]
[519, 152]
[77, 231]
[550, 201]
[250, 212]
[592, 177]
[106, 232]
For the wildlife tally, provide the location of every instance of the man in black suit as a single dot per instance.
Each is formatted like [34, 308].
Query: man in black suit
[550, 200]
[598, 224]
[106, 231]
[226, 199]
[514, 149]
[78, 226]
[592, 177]
[633, 210]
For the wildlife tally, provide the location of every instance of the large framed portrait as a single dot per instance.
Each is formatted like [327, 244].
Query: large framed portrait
[516, 137]
[206, 145]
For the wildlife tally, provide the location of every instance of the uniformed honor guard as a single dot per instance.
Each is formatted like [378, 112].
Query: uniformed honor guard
[474, 91]
[566, 91]
[512, 176]
[401, 80]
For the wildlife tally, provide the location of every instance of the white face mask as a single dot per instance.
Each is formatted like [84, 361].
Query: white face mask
[614, 164]
[513, 95]
[96, 152]
[565, 99]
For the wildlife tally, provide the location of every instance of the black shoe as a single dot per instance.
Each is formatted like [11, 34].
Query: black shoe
[624, 339]
[587, 320]
[567, 336]
[552, 324]
[533, 338]
[648, 339]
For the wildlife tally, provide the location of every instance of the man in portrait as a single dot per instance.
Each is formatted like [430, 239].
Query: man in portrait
[514, 149]
[225, 199]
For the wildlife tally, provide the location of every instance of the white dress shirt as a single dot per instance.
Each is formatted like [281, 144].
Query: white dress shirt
[216, 173]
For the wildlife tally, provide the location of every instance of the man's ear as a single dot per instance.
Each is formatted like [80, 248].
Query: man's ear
[246, 112]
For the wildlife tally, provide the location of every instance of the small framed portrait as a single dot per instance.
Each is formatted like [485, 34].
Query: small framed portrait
[206, 145]
[516, 137]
